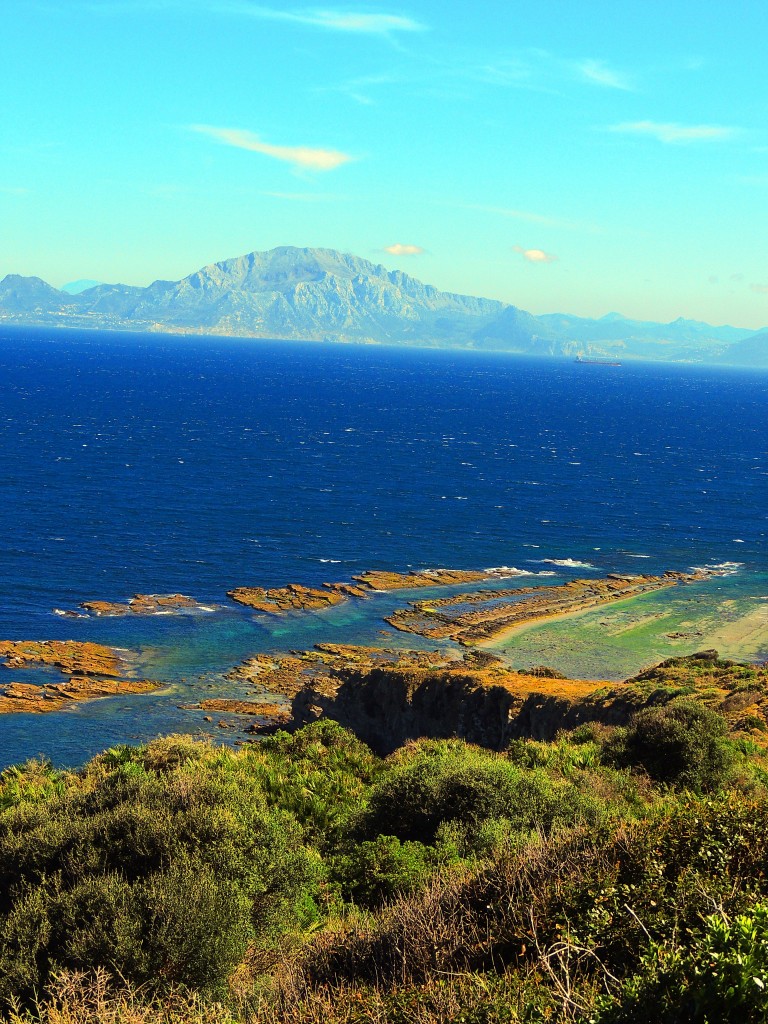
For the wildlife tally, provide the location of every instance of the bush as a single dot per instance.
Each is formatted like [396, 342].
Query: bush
[163, 866]
[722, 975]
[447, 781]
[682, 744]
[377, 871]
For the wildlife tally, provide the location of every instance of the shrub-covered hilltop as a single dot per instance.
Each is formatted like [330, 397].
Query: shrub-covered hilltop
[612, 875]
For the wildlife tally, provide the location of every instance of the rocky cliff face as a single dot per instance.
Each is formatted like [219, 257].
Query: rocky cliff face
[389, 704]
[385, 707]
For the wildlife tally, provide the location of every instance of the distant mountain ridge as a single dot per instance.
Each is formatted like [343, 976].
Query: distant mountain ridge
[321, 294]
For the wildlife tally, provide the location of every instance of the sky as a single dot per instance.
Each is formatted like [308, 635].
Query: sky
[572, 157]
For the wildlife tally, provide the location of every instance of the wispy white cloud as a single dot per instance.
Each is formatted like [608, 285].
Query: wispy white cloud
[597, 72]
[672, 132]
[360, 22]
[761, 289]
[305, 157]
[14, 190]
[340, 21]
[534, 255]
[399, 249]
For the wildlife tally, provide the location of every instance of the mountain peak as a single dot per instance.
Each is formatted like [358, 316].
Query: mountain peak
[312, 293]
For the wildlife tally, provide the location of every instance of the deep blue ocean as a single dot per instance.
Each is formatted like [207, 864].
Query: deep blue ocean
[141, 463]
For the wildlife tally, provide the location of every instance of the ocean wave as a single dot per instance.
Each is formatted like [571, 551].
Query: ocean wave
[505, 571]
[720, 568]
[568, 563]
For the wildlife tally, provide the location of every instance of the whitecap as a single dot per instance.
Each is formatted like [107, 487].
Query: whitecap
[718, 568]
[569, 563]
[508, 570]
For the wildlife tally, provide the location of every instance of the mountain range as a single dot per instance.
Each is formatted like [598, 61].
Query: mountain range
[325, 295]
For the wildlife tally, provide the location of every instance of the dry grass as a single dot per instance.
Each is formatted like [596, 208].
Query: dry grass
[95, 998]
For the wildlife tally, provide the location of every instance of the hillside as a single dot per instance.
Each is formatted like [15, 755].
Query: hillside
[321, 294]
[613, 874]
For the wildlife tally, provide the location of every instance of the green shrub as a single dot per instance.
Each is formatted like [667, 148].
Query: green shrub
[721, 975]
[682, 743]
[447, 781]
[378, 870]
[163, 866]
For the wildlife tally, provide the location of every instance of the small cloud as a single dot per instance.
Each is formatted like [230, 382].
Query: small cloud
[339, 21]
[13, 190]
[761, 289]
[398, 249]
[535, 255]
[736, 278]
[598, 73]
[305, 157]
[713, 279]
[671, 132]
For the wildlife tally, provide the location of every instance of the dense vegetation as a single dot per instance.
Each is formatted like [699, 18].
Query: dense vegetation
[612, 876]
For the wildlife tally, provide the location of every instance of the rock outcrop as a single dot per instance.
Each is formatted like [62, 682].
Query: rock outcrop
[389, 697]
[387, 705]
[291, 598]
[145, 604]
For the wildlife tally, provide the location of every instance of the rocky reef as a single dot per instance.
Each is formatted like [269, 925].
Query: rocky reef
[144, 604]
[294, 597]
[382, 580]
[95, 671]
[488, 614]
[15, 697]
[68, 656]
[291, 598]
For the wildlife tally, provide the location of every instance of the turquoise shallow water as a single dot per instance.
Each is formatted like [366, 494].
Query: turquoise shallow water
[136, 463]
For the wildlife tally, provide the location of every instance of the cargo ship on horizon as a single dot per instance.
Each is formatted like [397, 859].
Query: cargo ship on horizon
[599, 362]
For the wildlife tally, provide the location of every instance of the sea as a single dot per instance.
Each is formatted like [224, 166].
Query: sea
[159, 464]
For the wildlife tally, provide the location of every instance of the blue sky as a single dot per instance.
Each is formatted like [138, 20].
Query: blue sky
[563, 157]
